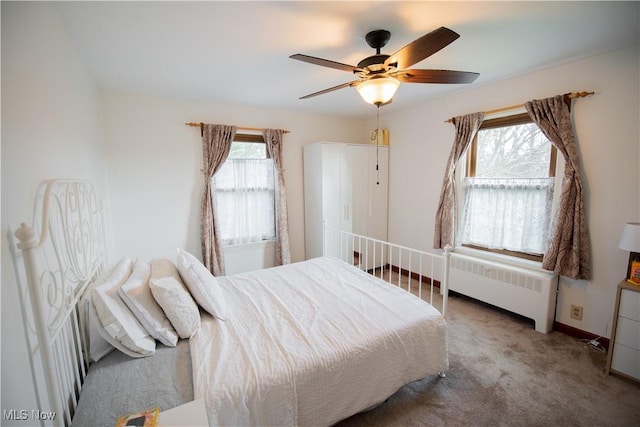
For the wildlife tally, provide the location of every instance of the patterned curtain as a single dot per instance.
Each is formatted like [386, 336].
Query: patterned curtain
[466, 128]
[273, 138]
[569, 252]
[216, 144]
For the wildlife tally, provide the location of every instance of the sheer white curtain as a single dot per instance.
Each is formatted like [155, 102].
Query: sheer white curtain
[507, 213]
[245, 187]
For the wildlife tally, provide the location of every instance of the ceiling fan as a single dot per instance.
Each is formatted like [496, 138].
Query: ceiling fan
[380, 75]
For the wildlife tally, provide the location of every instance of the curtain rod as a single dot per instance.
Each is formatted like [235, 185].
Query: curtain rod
[199, 125]
[513, 107]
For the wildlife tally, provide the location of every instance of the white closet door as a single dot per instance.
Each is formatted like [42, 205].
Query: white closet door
[360, 187]
[342, 186]
[327, 193]
[333, 171]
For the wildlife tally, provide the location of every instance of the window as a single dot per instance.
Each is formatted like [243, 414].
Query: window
[244, 193]
[507, 193]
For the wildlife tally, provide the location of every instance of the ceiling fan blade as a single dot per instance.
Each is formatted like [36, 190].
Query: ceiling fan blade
[324, 62]
[422, 48]
[331, 89]
[435, 76]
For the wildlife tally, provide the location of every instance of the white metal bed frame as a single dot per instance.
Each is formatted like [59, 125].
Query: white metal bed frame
[380, 258]
[65, 250]
[61, 253]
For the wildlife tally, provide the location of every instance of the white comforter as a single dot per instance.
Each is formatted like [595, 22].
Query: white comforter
[312, 343]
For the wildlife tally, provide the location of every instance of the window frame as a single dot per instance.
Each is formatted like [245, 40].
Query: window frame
[253, 138]
[471, 165]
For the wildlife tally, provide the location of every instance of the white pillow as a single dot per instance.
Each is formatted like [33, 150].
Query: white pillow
[136, 294]
[119, 325]
[97, 345]
[176, 302]
[203, 286]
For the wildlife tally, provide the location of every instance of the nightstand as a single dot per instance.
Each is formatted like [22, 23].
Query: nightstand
[624, 348]
[190, 414]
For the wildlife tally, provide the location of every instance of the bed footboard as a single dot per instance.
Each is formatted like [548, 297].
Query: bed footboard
[413, 270]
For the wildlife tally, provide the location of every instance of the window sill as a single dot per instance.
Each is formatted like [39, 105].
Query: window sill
[499, 258]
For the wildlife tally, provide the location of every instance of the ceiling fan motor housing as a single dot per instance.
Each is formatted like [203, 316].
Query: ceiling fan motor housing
[373, 60]
[376, 39]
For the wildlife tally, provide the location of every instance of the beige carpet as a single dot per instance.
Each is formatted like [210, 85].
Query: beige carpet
[504, 373]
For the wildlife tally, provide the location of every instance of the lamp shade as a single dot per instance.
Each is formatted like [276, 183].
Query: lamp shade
[378, 90]
[630, 238]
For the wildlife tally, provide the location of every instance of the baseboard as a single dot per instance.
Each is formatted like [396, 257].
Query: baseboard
[414, 275]
[405, 272]
[579, 333]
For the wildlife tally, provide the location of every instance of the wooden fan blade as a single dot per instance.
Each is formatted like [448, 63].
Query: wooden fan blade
[324, 62]
[331, 89]
[422, 48]
[435, 76]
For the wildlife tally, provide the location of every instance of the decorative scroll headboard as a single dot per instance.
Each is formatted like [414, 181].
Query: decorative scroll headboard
[61, 253]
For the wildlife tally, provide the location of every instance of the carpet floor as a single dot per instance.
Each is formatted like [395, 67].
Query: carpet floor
[504, 373]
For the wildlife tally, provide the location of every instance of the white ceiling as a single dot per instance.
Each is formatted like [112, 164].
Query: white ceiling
[238, 52]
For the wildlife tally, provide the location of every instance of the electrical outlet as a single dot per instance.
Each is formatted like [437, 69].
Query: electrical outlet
[576, 312]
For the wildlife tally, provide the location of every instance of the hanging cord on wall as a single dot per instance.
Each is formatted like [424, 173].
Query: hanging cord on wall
[375, 134]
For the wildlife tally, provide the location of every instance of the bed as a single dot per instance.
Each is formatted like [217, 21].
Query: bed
[308, 343]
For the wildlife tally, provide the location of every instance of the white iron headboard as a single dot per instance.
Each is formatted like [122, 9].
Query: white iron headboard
[62, 252]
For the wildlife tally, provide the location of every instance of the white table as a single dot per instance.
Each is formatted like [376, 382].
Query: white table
[187, 415]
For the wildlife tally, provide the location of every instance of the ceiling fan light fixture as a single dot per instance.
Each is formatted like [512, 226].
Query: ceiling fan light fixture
[380, 75]
[378, 90]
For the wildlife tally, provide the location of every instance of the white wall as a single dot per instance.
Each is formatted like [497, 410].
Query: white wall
[607, 130]
[154, 164]
[50, 129]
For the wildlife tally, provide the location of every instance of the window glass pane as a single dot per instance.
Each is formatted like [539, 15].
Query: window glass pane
[245, 175]
[244, 192]
[248, 150]
[520, 151]
[507, 204]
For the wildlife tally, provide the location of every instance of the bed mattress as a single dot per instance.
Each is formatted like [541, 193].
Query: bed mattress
[312, 343]
[119, 385]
